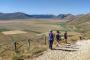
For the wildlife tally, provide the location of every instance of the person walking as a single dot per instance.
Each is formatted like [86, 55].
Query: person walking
[58, 38]
[65, 36]
[51, 39]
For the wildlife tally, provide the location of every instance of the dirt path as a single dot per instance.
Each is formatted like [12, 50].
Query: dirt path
[83, 53]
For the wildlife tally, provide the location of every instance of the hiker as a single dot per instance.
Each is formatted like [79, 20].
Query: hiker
[65, 36]
[58, 38]
[51, 39]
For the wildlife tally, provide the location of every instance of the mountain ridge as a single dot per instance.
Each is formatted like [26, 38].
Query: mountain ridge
[20, 15]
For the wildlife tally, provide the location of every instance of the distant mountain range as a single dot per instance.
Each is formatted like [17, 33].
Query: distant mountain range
[20, 15]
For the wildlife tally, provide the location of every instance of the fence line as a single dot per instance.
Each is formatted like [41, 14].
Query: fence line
[21, 43]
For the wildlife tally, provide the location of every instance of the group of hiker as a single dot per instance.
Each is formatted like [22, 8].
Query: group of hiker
[52, 36]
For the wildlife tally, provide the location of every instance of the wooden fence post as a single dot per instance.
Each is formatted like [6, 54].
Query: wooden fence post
[29, 43]
[45, 39]
[15, 46]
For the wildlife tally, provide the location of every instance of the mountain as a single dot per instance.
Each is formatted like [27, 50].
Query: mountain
[42, 16]
[17, 15]
[70, 17]
[62, 16]
[82, 24]
[20, 15]
[80, 20]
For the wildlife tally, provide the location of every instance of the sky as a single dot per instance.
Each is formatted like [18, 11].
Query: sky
[45, 6]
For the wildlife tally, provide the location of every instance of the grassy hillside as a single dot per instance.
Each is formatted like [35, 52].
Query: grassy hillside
[81, 24]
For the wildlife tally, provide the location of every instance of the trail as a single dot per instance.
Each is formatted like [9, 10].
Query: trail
[83, 53]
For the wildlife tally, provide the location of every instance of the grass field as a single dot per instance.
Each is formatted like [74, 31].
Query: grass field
[32, 29]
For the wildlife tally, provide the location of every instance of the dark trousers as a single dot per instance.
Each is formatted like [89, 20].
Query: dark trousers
[50, 44]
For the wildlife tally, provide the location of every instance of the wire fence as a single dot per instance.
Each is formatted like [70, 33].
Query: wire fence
[22, 46]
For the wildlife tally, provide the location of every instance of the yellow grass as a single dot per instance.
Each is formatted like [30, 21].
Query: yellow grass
[13, 32]
[24, 30]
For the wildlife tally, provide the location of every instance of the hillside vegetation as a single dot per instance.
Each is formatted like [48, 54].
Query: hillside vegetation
[81, 24]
